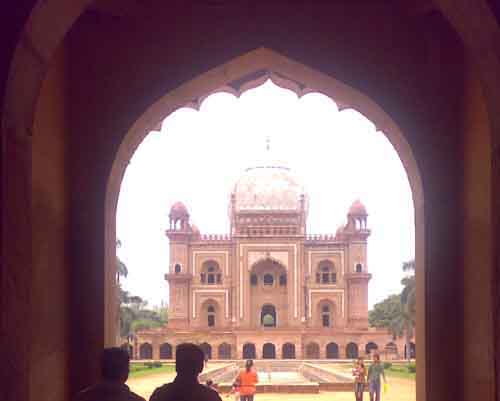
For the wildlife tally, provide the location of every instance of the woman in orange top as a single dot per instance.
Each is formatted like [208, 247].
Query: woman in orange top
[248, 379]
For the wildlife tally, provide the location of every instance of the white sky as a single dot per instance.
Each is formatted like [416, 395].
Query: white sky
[198, 156]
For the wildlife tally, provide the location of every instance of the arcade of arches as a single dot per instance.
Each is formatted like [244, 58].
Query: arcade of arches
[83, 81]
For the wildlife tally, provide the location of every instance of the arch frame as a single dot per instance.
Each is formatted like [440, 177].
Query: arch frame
[288, 74]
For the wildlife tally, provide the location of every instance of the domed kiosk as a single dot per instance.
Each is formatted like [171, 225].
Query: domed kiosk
[268, 281]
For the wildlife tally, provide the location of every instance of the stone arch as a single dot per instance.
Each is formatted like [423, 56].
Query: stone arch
[275, 67]
[268, 316]
[325, 313]
[249, 351]
[370, 347]
[473, 22]
[312, 351]
[211, 273]
[224, 351]
[207, 350]
[412, 351]
[351, 351]
[145, 351]
[210, 313]
[166, 351]
[268, 351]
[288, 351]
[332, 351]
[326, 272]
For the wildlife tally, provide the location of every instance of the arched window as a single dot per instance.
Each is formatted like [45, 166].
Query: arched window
[253, 280]
[224, 351]
[249, 351]
[325, 316]
[146, 351]
[211, 316]
[312, 351]
[268, 316]
[288, 351]
[326, 273]
[332, 351]
[351, 351]
[359, 268]
[165, 351]
[268, 351]
[210, 273]
[283, 280]
[268, 279]
[370, 347]
[177, 268]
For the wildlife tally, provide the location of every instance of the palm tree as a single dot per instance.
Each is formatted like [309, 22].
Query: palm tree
[409, 304]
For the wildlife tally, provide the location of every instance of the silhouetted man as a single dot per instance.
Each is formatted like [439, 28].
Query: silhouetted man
[115, 364]
[189, 360]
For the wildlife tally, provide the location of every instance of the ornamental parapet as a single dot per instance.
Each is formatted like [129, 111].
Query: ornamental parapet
[215, 237]
[321, 237]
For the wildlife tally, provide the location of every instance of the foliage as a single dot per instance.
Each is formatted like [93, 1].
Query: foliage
[387, 365]
[397, 312]
[412, 367]
[134, 314]
[387, 314]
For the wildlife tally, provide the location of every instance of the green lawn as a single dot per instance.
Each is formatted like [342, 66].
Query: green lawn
[400, 371]
[140, 369]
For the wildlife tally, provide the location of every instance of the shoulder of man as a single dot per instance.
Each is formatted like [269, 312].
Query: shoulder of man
[160, 392]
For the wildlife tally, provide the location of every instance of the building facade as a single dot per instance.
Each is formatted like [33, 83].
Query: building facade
[268, 289]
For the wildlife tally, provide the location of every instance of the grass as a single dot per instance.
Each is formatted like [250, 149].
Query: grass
[140, 369]
[400, 371]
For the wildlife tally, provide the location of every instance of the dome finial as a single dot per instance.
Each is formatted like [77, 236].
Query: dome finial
[268, 143]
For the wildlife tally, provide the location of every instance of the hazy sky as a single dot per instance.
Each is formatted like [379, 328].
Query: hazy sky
[198, 156]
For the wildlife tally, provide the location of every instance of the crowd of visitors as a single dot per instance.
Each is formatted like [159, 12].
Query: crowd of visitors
[189, 363]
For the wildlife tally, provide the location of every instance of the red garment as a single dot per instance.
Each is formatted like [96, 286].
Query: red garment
[248, 380]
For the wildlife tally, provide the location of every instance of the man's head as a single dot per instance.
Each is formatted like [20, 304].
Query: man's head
[115, 364]
[189, 359]
[376, 358]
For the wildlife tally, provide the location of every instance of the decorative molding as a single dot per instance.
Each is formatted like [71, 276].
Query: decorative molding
[226, 299]
[225, 253]
[342, 296]
[326, 252]
[268, 248]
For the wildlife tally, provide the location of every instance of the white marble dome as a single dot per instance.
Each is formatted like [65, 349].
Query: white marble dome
[268, 187]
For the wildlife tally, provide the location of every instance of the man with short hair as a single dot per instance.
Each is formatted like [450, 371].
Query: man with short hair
[115, 366]
[189, 361]
[375, 371]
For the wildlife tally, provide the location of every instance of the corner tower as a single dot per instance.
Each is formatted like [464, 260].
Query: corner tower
[179, 274]
[356, 233]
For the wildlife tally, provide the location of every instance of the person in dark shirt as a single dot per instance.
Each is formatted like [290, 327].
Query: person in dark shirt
[115, 369]
[189, 361]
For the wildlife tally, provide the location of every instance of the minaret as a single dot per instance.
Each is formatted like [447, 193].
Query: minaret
[357, 277]
[179, 273]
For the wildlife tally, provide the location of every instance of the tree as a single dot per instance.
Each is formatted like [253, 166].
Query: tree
[409, 303]
[397, 313]
[388, 314]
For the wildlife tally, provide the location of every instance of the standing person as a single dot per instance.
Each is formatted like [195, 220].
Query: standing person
[359, 373]
[374, 372]
[189, 359]
[115, 366]
[248, 379]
